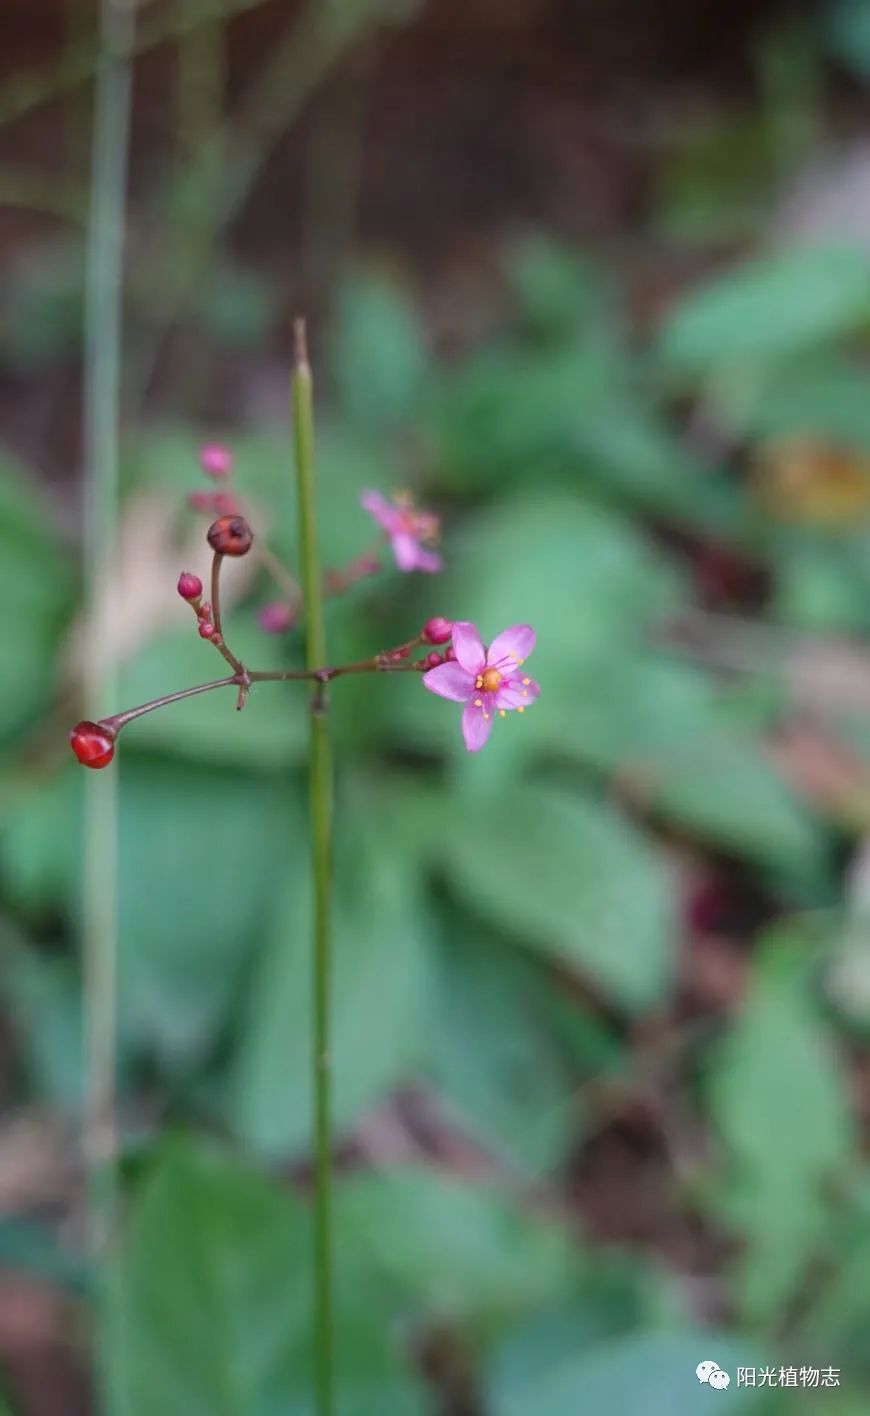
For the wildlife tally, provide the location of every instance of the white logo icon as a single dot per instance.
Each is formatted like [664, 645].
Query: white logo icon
[713, 1375]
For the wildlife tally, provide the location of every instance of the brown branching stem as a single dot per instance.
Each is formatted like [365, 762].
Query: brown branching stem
[242, 679]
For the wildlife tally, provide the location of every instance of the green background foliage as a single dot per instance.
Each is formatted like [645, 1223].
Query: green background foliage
[572, 1163]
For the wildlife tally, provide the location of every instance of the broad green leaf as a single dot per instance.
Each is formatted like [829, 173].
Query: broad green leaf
[583, 577]
[821, 396]
[833, 1327]
[570, 876]
[508, 415]
[779, 1102]
[377, 356]
[773, 308]
[453, 1249]
[555, 291]
[645, 1374]
[36, 584]
[212, 1312]
[201, 859]
[44, 995]
[493, 1059]
[673, 739]
[378, 988]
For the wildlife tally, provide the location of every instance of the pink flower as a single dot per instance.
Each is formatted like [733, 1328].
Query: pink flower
[487, 681]
[407, 529]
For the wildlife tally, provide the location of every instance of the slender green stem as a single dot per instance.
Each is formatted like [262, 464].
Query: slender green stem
[321, 862]
[103, 325]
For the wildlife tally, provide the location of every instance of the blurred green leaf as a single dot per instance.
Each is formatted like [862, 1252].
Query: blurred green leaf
[555, 291]
[771, 309]
[822, 396]
[583, 577]
[779, 1102]
[453, 1249]
[646, 1374]
[379, 971]
[212, 1309]
[671, 736]
[568, 875]
[378, 358]
[36, 583]
[201, 860]
[44, 993]
[847, 29]
[493, 1056]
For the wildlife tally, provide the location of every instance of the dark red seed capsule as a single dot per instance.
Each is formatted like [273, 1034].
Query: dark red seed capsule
[93, 744]
[230, 536]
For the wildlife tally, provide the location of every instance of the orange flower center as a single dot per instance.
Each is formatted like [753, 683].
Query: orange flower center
[489, 681]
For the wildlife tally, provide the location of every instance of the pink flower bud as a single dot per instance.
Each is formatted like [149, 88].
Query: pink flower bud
[189, 586]
[449, 655]
[216, 461]
[277, 617]
[433, 660]
[206, 629]
[437, 630]
[200, 501]
[204, 611]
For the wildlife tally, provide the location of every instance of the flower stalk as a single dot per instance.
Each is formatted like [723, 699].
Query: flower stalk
[320, 807]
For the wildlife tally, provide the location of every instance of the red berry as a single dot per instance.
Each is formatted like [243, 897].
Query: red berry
[230, 536]
[93, 744]
[206, 629]
[216, 460]
[433, 660]
[437, 630]
[189, 586]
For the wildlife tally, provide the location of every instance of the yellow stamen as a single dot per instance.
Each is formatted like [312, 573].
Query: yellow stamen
[502, 713]
[490, 680]
[521, 710]
[527, 682]
[478, 702]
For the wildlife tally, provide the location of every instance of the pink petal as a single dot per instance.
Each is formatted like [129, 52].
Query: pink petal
[468, 648]
[378, 507]
[406, 551]
[429, 561]
[450, 681]
[476, 724]
[517, 692]
[511, 646]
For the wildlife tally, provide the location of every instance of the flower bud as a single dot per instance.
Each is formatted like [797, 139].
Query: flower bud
[216, 461]
[206, 629]
[230, 536]
[93, 744]
[433, 660]
[437, 630]
[189, 586]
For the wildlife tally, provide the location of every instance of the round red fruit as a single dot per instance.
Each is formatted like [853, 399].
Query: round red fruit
[93, 744]
[230, 536]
